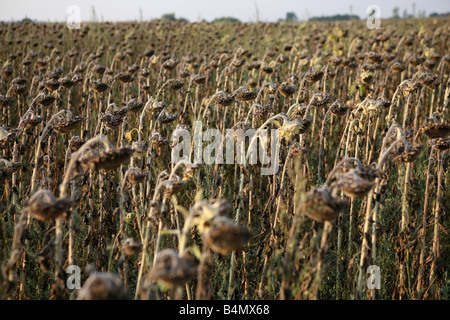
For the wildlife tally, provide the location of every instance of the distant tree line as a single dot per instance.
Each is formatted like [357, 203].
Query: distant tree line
[227, 19]
[336, 17]
[171, 17]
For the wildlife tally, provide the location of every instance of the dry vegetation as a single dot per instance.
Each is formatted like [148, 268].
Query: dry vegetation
[86, 174]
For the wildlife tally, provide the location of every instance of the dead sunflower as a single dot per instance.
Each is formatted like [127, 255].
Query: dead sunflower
[7, 138]
[353, 185]
[107, 159]
[7, 169]
[44, 100]
[175, 84]
[75, 143]
[223, 99]
[166, 117]
[313, 75]
[244, 94]
[296, 149]
[338, 109]
[174, 185]
[44, 206]
[135, 176]
[157, 141]
[5, 101]
[30, 120]
[99, 86]
[321, 206]
[407, 152]
[131, 247]
[441, 144]
[291, 126]
[321, 99]
[223, 235]
[110, 121]
[67, 125]
[103, 286]
[190, 171]
[134, 105]
[171, 269]
[286, 89]
[433, 129]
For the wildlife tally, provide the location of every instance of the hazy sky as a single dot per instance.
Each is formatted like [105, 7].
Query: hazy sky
[195, 10]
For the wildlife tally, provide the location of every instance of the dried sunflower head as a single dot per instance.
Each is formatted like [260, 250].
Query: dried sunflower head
[134, 105]
[44, 206]
[110, 121]
[296, 149]
[67, 82]
[407, 152]
[174, 185]
[282, 59]
[260, 111]
[244, 94]
[157, 140]
[131, 247]
[135, 176]
[5, 101]
[124, 77]
[7, 71]
[222, 98]
[117, 112]
[321, 99]
[103, 286]
[198, 79]
[99, 69]
[107, 159]
[68, 124]
[370, 172]
[175, 84]
[166, 117]
[353, 185]
[321, 206]
[338, 109]
[223, 235]
[441, 144]
[383, 103]
[44, 100]
[313, 75]
[267, 69]
[7, 169]
[99, 86]
[426, 79]
[169, 64]
[219, 232]
[52, 84]
[433, 129]
[30, 120]
[75, 143]
[291, 126]
[7, 138]
[205, 210]
[271, 87]
[190, 170]
[286, 89]
[171, 269]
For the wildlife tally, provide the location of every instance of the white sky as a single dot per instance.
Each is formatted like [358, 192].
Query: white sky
[195, 10]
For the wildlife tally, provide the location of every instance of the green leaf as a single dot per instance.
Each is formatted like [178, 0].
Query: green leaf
[362, 89]
[195, 250]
